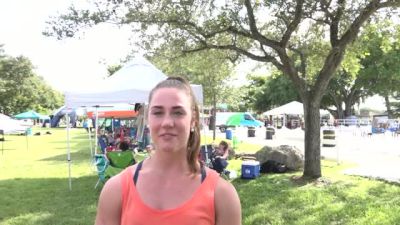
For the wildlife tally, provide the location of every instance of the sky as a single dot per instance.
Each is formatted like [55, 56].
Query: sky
[71, 64]
[67, 64]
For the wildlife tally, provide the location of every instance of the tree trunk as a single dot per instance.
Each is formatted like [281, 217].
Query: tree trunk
[340, 112]
[388, 107]
[214, 114]
[312, 147]
[348, 109]
[349, 102]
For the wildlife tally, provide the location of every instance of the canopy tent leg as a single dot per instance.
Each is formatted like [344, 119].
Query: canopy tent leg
[69, 154]
[205, 135]
[90, 142]
[96, 141]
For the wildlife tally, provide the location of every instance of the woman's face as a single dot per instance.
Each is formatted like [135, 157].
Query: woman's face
[170, 119]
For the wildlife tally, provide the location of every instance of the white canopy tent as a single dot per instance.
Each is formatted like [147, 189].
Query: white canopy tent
[10, 125]
[291, 108]
[131, 84]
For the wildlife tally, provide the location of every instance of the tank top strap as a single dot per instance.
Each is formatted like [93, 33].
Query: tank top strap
[203, 172]
[136, 175]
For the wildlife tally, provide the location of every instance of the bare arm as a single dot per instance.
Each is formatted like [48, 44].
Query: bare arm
[226, 154]
[109, 207]
[227, 204]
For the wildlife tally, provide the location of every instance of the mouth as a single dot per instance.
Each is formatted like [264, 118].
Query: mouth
[168, 135]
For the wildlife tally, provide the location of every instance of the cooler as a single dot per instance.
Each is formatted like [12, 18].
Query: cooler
[250, 169]
[229, 134]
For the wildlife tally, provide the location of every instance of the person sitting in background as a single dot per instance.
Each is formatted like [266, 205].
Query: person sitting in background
[110, 139]
[221, 156]
[123, 146]
[149, 149]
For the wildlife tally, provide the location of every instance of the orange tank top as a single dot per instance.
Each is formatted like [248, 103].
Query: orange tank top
[198, 210]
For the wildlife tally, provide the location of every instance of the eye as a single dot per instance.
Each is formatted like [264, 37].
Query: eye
[178, 113]
[156, 113]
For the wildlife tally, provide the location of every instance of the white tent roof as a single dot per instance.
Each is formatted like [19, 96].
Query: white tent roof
[131, 84]
[291, 108]
[9, 125]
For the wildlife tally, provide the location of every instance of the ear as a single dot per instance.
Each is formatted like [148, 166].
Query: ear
[192, 124]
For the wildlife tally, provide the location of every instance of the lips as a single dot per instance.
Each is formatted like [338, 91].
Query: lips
[167, 135]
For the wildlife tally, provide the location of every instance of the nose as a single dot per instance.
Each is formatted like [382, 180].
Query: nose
[168, 121]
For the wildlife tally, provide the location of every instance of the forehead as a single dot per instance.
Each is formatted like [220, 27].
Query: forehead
[166, 97]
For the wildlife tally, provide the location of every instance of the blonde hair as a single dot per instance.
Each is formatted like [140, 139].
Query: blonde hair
[194, 137]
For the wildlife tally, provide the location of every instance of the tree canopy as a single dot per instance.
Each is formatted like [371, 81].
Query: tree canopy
[21, 89]
[265, 93]
[380, 72]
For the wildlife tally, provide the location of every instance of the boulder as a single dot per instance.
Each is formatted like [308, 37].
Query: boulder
[291, 156]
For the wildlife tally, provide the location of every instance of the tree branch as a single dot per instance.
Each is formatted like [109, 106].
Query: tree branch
[389, 3]
[354, 28]
[293, 25]
[265, 58]
[303, 65]
[254, 30]
[331, 63]
[325, 8]
[334, 28]
[337, 52]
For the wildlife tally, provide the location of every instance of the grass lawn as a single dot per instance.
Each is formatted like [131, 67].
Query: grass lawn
[34, 181]
[34, 189]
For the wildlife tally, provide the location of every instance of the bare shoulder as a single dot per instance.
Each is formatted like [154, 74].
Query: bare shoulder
[110, 202]
[227, 204]
[112, 185]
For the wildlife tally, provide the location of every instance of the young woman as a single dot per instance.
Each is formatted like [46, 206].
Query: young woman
[171, 187]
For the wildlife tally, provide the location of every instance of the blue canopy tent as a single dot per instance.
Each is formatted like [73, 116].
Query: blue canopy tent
[31, 115]
[28, 115]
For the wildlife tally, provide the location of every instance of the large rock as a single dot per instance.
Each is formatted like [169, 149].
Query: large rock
[291, 156]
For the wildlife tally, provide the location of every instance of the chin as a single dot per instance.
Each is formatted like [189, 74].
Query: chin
[168, 147]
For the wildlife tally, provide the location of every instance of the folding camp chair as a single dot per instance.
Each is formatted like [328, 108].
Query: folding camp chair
[101, 163]
[112, 163]
[206, 154]
[208, 157]
[2, 140]
[121, 159]
[102, 144]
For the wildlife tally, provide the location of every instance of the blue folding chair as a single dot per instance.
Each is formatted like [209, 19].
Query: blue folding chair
[102, 144]
[101, 164]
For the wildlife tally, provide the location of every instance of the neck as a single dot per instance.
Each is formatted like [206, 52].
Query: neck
[169, 162]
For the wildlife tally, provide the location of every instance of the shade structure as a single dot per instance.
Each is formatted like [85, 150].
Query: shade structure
[9, 125]
[131, 84]
[114, 114]
[28, 115]
[234, 120]
[291, 108]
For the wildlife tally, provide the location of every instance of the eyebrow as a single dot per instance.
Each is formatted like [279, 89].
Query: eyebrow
[162, 107]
